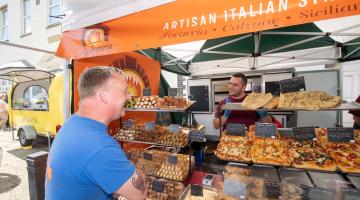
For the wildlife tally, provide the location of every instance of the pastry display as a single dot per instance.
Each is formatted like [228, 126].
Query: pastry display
[160, 135]
[159, 165]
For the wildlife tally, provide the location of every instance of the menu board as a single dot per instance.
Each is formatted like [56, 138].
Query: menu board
[197, 135]
[292, 85]
[265, 130]
[340, 134]
[304, 133]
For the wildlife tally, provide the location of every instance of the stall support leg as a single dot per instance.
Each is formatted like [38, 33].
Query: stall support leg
[49, 140]
[12, 133]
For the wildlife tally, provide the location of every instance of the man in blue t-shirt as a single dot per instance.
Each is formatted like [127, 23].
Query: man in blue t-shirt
[84, 161]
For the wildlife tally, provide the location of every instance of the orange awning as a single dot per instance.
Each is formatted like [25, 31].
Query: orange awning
[189, 20]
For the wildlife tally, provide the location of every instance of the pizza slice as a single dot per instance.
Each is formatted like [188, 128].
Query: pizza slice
[311, 158]
[348, 162]
[234, 151]
[270, 151]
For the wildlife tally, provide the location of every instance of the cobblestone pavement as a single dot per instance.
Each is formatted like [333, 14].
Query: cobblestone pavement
[13, 168]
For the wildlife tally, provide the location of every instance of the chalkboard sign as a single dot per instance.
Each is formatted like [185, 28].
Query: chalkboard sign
[147, 92]
[340, 135]
[292, 85]
[286, 133]
[158, 186]
[197, 135]
[235, 129]
[273, 87]
[197, 190]
[172, 159]
[149, 126]
[128, 124]
[174, 128]
[200, 94]
[350, 194]
[265, 130]
[173, 92]
[304, 133]
[272, 190]
[147, 156]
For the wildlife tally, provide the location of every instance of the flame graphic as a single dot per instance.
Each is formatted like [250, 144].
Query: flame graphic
[135, 83]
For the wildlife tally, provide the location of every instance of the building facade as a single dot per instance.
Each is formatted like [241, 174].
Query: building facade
[31, 23]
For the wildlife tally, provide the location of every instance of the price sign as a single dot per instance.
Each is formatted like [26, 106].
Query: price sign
[147, 92]
[304, 133]
[341, 135]
[197, 190]
[149, 126]
[286, 133]
[235, 129]
[158, 186]
[173, 92]
[272, 190]
[128, 124]
[265, 130]
[172, 159]
[147, 156]
[292, 85]
[197, 135]
[174, 128]
[350, 194]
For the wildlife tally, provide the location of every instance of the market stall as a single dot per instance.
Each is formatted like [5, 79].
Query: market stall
[303, 162]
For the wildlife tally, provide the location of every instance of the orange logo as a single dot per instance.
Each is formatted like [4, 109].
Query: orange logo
[96, 35]
[136, 77]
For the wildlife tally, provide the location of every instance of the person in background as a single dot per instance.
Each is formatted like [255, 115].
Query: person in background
[237, 86]
[4, 115]
[356, 115]
[84, 161]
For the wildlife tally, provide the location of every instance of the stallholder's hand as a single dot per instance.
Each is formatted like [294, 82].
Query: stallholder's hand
[227, 112]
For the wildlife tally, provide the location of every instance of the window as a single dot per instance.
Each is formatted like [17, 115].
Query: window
[34, 98]
[5, 26]
[54, 10]
[27, 16]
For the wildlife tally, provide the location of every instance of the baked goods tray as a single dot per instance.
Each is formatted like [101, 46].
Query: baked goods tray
[190, 103]
[230, 160]
[192, 168]
[342, 106]
[157, 144]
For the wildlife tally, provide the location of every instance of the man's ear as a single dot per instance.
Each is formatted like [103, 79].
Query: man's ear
[103, 96]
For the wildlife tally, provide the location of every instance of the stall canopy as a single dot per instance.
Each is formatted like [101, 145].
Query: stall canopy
[309, 44]
[82, 13]
[187, 20]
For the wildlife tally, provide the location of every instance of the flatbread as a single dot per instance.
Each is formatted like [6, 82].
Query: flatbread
[310, 100]
[256, 100]
[273, 103]
[311, 158]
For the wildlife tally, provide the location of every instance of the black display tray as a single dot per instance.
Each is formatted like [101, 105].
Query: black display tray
[327, 180]
[266, 172]
[295, 176]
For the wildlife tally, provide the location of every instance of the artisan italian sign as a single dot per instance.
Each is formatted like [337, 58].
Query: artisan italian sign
[188, 20]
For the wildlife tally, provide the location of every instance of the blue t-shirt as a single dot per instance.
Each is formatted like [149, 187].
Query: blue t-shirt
[85, 162]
